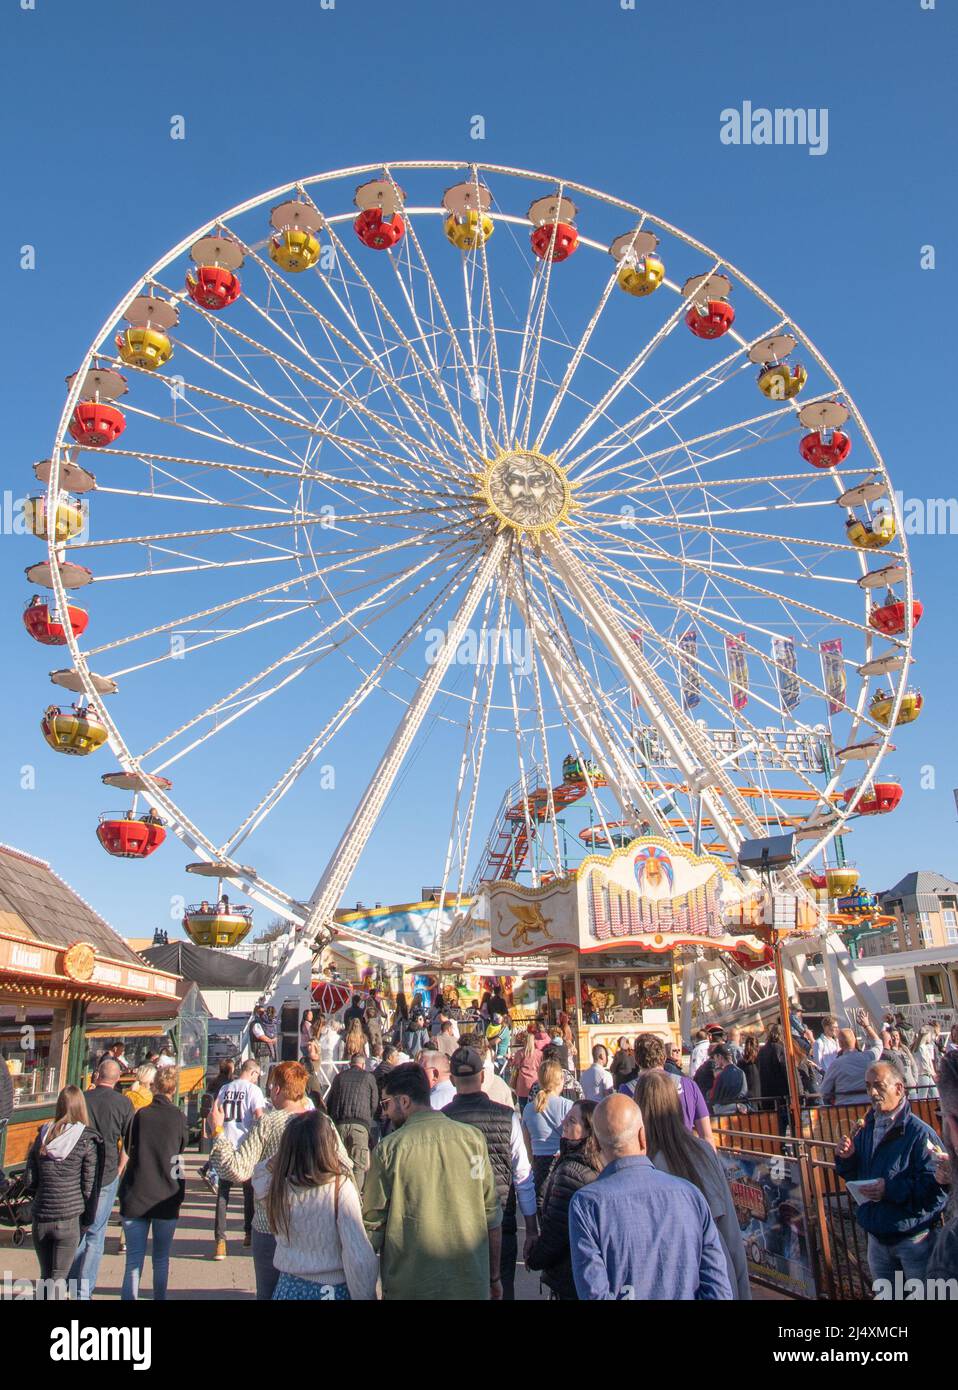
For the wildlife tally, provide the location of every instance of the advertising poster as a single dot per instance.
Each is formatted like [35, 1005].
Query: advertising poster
[767, 1193]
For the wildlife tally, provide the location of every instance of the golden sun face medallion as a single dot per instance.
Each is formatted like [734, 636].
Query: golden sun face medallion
[525, 492]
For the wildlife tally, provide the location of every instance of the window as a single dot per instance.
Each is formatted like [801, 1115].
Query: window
[950, 917]
[31, 1043]
[951, 933]
[897, 992]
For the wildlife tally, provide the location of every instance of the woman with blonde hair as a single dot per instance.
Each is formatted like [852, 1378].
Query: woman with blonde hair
[322, 1251]
[141, 1092]
[675, 1149]
[542, 1120]
[355, 1040]
[926, 1065]
[63, 1173]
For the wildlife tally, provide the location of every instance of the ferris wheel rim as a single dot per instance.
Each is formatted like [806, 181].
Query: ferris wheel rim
[175, 814]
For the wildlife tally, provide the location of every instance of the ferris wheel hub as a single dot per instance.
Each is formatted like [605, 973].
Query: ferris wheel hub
[525, 491]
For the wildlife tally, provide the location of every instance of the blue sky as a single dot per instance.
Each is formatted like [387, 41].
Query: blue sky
[617, 99]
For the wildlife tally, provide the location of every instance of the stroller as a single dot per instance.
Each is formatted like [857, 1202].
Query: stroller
[16, 1206]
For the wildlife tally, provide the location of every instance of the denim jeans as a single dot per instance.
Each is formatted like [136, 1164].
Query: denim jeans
[86, 1261]
[265, 1272]
[910, 1254]
[222, 1205]
[137, 1230]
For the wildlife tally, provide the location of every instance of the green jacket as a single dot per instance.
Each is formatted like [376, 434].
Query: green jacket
[429, 1204]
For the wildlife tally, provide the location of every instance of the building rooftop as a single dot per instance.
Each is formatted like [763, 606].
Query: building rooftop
[38, 905]
[921, 881]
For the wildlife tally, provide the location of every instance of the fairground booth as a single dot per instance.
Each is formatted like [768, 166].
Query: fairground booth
[68, 986]
[612, 934]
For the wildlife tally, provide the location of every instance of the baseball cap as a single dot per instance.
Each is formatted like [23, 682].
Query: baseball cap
[465, 1061]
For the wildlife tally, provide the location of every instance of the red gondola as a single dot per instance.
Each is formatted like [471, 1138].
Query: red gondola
[377, 232]
[213, 287]
[130, 837]
[889, 618]
[876, 800]
[44, 627]
[566, 241]
[96, 423]
[825, 448]
[714, 323]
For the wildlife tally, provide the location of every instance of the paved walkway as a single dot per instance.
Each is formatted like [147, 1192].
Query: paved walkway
[193, 1275]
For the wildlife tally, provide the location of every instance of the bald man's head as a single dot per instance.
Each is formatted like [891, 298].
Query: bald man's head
[108, 1072]
[847, 1040]
[617, 1122]
[436, 1066]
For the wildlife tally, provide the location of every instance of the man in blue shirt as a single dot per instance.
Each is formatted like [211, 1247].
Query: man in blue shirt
[636, 1233]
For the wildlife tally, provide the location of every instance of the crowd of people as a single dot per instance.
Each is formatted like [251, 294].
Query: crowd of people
[406, 1156]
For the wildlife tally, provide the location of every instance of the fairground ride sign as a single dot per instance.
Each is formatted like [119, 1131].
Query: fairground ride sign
[651, 896]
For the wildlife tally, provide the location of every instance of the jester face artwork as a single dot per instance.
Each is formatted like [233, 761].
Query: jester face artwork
[527, 490]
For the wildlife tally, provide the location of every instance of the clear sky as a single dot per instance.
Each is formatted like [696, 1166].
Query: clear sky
[626, 100]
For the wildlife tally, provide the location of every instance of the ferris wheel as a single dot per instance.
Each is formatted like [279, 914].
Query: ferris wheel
[481, 462]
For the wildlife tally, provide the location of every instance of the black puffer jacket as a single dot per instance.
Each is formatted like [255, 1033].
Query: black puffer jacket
[68, 1187]
[551, 1253]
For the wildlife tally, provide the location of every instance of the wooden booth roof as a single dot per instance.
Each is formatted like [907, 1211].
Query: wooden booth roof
[54, 943]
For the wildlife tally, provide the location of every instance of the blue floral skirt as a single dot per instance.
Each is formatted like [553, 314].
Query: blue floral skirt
[290, 1286]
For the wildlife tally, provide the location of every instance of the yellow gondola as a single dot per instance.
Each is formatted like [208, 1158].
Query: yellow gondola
[144, 347]
[883, 703]
[780, 381]
[469, 231]
[70, 517]
[217, 924]
[75, 731]
[643, 278]
[871, 535]
[294, 250]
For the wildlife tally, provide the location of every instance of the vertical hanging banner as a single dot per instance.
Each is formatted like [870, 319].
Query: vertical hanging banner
[737, 666]
[786, 661]
[688, 669]
[833, 673]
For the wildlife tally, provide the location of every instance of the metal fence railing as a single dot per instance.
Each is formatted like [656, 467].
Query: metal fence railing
[798, 1217]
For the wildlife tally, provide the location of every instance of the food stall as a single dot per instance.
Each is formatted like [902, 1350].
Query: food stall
[58, 959]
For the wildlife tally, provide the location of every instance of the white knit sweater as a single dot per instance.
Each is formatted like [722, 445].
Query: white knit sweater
[319, 1247]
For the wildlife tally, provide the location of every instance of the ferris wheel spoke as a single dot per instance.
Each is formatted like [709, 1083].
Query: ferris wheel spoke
[710, 570]
[369, 683]
[460, 834]
[303, 652]
[326, 382]
[576, 694]
[696, 460]
[627, 377]
[705, 382]
[424, 420]
[411, 239]
[573, 364]
[622, 741]
[341, 865]
[705, 617]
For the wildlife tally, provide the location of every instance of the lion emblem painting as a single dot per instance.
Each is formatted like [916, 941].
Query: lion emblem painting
[529, 922]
